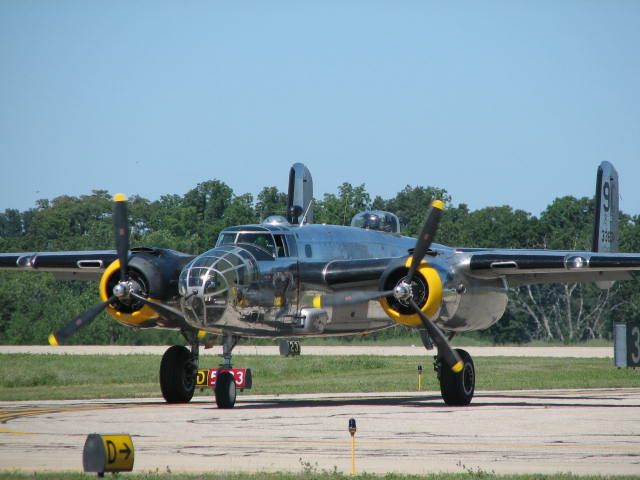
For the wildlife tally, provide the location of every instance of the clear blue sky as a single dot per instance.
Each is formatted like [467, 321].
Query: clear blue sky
[499, 102]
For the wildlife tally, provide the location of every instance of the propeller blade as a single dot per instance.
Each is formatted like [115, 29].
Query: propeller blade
[347, 298]
[80, 321]
[427, 234]
[448, 354]
[159, 308]
[121, 229]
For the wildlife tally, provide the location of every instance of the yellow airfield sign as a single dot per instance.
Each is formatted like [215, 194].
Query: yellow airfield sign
[108, 453]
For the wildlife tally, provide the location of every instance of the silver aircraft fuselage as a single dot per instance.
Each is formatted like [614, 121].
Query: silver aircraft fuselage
[260, 280]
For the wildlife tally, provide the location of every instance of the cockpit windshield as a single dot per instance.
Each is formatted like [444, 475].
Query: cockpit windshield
[274, 245]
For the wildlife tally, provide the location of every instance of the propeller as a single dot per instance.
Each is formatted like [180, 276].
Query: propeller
[404, 290]
[159, 308]
[121, 230]
[427, 234]
[123, 289]
[80, 321]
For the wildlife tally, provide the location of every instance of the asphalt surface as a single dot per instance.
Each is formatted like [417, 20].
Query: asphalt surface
[545, 431]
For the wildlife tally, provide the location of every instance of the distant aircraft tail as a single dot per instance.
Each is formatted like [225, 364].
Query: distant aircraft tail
[605, 233]
[300, 198]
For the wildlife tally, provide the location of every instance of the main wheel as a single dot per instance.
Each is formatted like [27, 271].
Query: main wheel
[177, 375]
[225, 390]
[457, 388]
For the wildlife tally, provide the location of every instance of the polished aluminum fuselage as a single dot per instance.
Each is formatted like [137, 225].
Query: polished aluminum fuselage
[241, 289]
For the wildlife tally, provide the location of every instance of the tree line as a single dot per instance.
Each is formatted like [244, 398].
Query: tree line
[32, 305]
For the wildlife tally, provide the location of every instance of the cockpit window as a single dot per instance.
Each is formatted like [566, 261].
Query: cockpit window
[262, 240]
[274, 244]
[227, 239]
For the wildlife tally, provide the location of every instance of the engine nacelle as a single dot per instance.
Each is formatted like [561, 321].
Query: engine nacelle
[154, 274]
[426, 290]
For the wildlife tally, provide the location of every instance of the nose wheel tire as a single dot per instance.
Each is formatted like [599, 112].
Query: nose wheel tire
[457, 388]
[225, 390]
[177, 375]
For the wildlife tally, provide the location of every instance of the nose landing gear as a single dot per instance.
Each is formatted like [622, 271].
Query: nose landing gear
[225, 389]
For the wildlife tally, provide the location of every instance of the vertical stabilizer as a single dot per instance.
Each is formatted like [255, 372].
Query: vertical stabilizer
[605, 234]
[300, 198]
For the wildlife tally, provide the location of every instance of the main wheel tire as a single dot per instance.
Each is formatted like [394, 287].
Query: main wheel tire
[225, 390]
[177, 375]
[457, 388]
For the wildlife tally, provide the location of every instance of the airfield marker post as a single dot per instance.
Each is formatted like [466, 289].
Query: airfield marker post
[352, 431]
[419, 377]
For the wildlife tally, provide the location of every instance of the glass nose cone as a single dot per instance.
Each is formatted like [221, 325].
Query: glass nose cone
[210, 282]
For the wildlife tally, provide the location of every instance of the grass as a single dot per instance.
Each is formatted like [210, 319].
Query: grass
[53, 377]
[306, 475]
[463, 339]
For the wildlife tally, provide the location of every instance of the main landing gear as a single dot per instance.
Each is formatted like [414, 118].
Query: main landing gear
[178, 370]
[179, 367]
[457, 389]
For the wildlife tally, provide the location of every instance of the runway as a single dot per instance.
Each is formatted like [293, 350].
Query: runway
[578, 431]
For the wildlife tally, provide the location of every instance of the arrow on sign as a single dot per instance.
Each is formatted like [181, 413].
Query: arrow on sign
[126, 450]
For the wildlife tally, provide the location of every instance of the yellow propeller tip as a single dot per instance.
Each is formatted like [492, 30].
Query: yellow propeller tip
[201, 334]
[53, 341]
[317, 301]
[439, 204]
[120, 197]
[457, 368]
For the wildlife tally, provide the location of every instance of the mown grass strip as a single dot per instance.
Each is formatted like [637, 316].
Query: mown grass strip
[53, 377]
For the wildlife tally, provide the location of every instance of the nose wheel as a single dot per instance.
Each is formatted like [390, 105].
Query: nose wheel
[225, 390]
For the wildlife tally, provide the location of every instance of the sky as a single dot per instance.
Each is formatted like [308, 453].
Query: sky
[499, 102]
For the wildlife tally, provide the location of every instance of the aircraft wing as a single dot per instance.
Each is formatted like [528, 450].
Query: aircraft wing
[523, 267]
[81, 265]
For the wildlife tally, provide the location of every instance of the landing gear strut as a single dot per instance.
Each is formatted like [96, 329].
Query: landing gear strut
[178, 370]
[225, 389]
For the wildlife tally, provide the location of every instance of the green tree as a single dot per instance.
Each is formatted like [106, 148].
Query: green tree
[271, 201]
[411, 204]
[340, 209]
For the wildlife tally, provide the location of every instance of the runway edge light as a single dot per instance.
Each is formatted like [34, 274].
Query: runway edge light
[352, 431]
[108, 453]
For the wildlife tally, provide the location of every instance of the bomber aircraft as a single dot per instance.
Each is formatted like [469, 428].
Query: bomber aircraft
[289, 278]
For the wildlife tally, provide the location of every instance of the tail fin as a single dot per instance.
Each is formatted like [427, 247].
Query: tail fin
[300, 196]
[605, 233]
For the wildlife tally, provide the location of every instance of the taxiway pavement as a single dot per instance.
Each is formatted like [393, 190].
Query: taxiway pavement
[579, 431]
